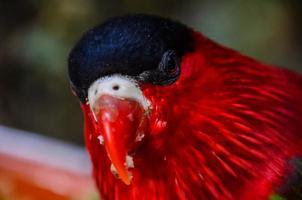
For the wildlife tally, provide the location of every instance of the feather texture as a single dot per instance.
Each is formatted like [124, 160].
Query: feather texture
[224, 130]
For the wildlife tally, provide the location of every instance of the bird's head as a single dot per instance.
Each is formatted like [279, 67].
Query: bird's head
[127, 74]
[193, 118]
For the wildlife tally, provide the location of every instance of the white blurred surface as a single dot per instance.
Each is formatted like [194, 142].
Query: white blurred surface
[44, 150]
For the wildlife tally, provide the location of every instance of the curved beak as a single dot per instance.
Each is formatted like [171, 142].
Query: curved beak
[120, 121]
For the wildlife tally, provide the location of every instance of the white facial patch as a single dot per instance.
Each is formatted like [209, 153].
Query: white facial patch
[117, 86]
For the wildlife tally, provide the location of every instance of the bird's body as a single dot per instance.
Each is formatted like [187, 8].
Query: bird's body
[227, 128]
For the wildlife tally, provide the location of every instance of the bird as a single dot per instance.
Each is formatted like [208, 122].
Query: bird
[170, 114]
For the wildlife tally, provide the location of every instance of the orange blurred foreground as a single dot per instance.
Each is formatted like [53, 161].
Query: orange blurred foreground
[36, 168]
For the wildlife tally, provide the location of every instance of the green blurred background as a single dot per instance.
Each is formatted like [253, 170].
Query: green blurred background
[37, 35]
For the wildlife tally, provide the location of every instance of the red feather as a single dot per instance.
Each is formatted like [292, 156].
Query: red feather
[224, 130]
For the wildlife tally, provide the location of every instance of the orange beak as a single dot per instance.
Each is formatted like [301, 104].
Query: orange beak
[119, 121]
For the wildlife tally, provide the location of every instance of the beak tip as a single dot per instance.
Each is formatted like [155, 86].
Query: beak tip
[127, 179]
[122, 173]
[127, 182]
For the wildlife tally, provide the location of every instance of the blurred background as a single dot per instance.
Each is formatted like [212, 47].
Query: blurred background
[37, 35]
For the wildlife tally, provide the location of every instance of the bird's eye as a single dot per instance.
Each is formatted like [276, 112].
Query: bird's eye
[167, 71]
[169, 63]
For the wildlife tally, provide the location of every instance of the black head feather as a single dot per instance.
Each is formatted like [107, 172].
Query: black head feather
[145, 47]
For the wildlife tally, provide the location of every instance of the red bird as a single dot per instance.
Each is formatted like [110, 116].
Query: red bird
[170, 114]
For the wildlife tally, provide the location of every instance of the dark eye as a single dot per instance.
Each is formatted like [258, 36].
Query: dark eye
[169, 63]
[167, 71]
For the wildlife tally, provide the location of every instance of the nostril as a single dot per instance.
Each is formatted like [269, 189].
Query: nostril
[116, 87]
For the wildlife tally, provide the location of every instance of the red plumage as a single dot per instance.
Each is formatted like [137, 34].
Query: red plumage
[224, 130]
